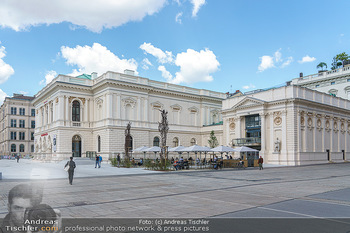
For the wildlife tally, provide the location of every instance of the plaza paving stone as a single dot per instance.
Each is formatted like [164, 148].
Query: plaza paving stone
[319, 190]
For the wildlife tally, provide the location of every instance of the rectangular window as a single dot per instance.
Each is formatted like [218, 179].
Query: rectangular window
[348, 80]
[13, 123]
[33, 112]
[332, 83]
[13, 136]
[21, 135]
[22, 111]
[32, 136]
[13, 110]
[21, 123]
[33, 124]
[317, 86]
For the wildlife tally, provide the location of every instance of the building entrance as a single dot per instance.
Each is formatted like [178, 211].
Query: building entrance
[76, 146]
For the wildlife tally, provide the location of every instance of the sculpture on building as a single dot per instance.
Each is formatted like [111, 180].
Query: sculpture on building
[277, 148]
[163, 129]
[127, 146]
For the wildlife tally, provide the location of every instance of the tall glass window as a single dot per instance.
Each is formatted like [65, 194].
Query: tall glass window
[33, 112]
[193, 141]
[156, 141]
[22, 123]
[22, 111]
[21, 135]
[76, 111]
[21, 148]
[98, 144]
[13, 135]
[13, 123]
[13, 110]
[13, 147]
[33, 124]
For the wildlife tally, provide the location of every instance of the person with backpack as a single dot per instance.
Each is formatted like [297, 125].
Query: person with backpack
[99, 161]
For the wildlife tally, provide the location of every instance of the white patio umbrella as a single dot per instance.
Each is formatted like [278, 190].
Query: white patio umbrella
[196, 149]
[154, 149]
[142, 149]
[245, 149]
[223, 149]
[177, 149]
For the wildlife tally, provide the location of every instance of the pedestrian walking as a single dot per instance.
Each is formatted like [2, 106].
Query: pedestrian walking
[118, 159]
[17, 158]
[260, 162]
[71, 167]
[97, 161]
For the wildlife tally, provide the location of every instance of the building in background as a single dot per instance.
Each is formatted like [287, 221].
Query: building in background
[334, 82]
[290, 125]
[84, 115]
[17, 125]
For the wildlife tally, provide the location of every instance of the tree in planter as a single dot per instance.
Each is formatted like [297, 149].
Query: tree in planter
[321, 65]
[213, 141]
[342, 57]
[336, 63]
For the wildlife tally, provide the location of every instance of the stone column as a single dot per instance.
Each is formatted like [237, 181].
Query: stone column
[139, 110]
[119, 103]
[263, 133]
[66, 107]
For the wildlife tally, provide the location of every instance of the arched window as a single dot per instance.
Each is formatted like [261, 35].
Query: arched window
[21, 148]
[193, 141]
[156, 141]
[32, 148]
[76, 111]
[176, 142]
[13, 147]
[99, 144]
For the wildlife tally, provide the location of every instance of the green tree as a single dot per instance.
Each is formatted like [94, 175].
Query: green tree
[321, 65]
[342, 57]
[339, 59]
[213, 141]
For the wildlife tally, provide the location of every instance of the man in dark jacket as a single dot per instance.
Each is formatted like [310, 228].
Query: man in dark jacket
[260, 162]
[72, 166]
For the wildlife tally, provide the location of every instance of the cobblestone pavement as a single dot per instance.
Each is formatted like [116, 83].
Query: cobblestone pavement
[306, 191]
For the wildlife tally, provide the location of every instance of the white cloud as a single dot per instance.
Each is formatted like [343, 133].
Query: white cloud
[307, 58]
[91, 14]
[248, 86]
[266, 63]
[197, 4]
[50, 75]
[287, 63]
[5, 69]
[95, 59]
[195, 66]
[278, 55]
[24, 92]
[178, 18]
[146, 63]
[273, 61]
[165, 74]
[2, 96]
[163, 57]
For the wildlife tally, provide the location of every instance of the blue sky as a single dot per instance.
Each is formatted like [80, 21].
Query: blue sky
[209, 44]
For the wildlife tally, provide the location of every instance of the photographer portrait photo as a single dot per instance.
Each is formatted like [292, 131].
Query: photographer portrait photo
[174, 116]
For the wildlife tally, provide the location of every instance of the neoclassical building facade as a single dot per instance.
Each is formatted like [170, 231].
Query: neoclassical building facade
[17, 124]
[290, 125]
[89, 113]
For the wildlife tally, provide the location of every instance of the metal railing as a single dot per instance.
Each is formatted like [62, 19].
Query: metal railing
[246, 141]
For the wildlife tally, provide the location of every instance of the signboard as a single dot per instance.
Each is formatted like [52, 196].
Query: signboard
[44, 134]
